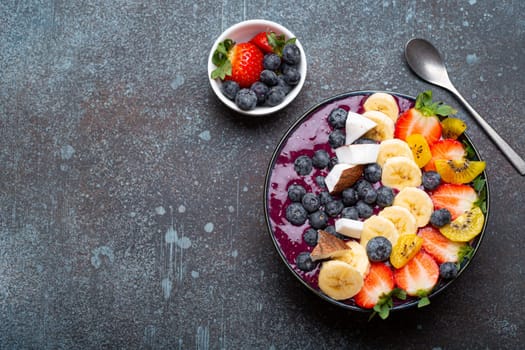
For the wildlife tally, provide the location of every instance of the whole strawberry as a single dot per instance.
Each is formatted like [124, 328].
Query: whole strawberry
[242, 63]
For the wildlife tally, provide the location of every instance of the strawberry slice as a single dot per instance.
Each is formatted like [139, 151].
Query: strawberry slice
[447, 149]
[457, 198]
[378, 282]
[419, 276]
[440, 247]
[423, 119]
[269, 42]
[242, 63]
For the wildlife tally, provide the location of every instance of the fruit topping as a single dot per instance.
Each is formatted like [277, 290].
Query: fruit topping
[401, 172]
[430, 180]
[378, 226]
[459, 171]
[378, 282]
[420, 149]
[372, 172]
[465, 227]
[356, 257]
[296, 214]
[328, 246]
[406, 247]
[418, 277]
[448, 270]
[349, 227]
[456, 198]
[303, 165]
[357, 154]
[402, 219]
[318, 219]
[423, 119]
[417, 202]
[310, 237]
[342, 176]
[382, 102]
[296, 192]
[440, 217]
[453, 128]
[339, 280]
[384, 129]
[336, 138]
[445, 149]
[385, 196]
[337, 118]
[393, 148]
[356, 126]
[305, 262]
[440, 247]
[378, 249]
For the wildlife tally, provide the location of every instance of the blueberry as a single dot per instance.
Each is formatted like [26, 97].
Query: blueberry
[268, 77]
[331, 230]
[337, 118]
[431, 180]
[246, 99]
[336, 138]
[349, 196]
[285, 66]
[333, 162]
[304, 262]
[271, 61]
[385, 196]
[292, 76]
[361, 184]
[368, 194]
[372, 172]
[440, 218]
[350, 213]
[325, 197]
[448, 270]
[275, 96]
[320, 159]
[310, 237]
[291, 54]
[283, 84]
[311, 202]
[319, 180]
[260, 89]
[364, 140]
[296, 214]
[230, 88]
[378, 249]
[303, 165]
[333, 208]
[296, 192]
[364, 210]
[318, 219]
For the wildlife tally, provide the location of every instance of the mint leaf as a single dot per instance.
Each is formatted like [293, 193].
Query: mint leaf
[428, 108]
[424, 301]
[465, 253]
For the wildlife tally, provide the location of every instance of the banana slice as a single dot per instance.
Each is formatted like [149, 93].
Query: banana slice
[339, 280]
[402, 219]
[382, 102]
[417, 202]
[400, 172]
[356, 257]
[378, 226]
[384, 130]
[393, 148]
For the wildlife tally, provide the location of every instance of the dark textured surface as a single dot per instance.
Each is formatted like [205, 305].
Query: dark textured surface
[130, 198]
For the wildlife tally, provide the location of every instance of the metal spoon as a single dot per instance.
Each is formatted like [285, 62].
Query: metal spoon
[424, 59]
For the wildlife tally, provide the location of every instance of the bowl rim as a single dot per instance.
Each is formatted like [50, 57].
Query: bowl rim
[409, 304]
[259, 111]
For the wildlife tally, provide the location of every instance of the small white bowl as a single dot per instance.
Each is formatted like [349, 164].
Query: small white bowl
[243, 32]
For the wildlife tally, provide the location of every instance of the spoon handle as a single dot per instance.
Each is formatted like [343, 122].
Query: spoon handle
[513, 157]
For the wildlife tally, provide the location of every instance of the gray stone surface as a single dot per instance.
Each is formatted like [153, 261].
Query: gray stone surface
[131, 208]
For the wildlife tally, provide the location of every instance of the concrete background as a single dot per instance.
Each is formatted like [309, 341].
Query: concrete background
[131, 208]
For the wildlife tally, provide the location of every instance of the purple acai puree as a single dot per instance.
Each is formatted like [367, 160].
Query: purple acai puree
[307, 137]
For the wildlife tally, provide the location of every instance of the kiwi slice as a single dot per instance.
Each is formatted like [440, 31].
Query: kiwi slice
[465, 227]
[452, 128]
[459, 171]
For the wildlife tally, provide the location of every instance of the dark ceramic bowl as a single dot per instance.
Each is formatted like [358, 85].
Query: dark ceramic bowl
[308, 134]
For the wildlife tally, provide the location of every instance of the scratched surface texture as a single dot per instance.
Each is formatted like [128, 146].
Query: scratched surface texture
[130, 197]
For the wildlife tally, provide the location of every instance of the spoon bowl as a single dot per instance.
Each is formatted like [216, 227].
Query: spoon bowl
[424, 59]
